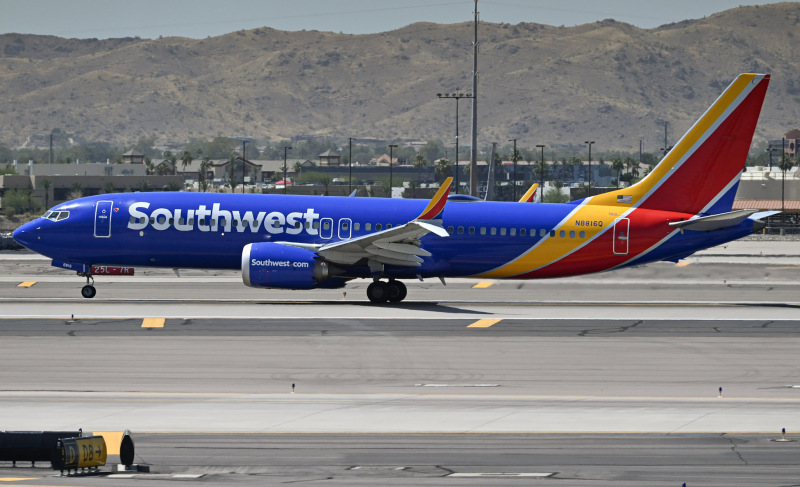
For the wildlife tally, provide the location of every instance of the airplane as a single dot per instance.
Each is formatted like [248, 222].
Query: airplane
[302, 242]
[530, 195]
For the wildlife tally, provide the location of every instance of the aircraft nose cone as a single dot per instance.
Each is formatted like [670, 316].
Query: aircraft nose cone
[23, 235]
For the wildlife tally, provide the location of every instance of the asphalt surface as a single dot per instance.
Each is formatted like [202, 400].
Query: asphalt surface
[610, 379]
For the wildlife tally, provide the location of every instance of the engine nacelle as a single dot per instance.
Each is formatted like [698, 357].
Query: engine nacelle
[267, 264]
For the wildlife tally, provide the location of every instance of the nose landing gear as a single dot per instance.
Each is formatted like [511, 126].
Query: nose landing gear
[393, 291]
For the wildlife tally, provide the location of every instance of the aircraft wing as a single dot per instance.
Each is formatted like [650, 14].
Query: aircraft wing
[399, 245]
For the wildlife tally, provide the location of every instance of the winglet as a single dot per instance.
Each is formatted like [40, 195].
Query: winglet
[436, 205]
[530, 194]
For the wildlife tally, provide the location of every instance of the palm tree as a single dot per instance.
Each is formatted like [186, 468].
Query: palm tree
[205, 165]
[46, 184]
[419, 163]
[443, 169]
[784, 165]
[186, 159]
[617, 165]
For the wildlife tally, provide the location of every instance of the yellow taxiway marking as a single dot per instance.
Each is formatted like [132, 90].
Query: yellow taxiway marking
[484, 323]
[683, 263]
[483, 285]
[153, 322]
[113, 440]
[27, 284]
[16, 479]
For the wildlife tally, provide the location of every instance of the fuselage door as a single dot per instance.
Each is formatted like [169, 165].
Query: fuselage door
[621, 236]
[326, 228]
[102, 219]
[345, 230]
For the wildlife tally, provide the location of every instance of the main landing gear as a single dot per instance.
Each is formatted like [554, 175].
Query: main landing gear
[392, 291]
[88, 291]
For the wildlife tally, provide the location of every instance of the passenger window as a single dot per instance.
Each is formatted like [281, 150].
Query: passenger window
[503, 231]
[451, 229]
[345, 226]
[388, 226]
[572, 234]
[562, 234]
[378, 227]
[368, 227]
[513, 231]
[483, 230]
[181, 220]
[213, 222]
[356, 226]
[552, 233]
[152, 220]
[472, 230]
[543, 232]
[171, 221]
[191, 221]
[325, 226]
[316, 225]
[583, 234]
[133, 220]
[493, 231]
[522, 232]
[460, 230]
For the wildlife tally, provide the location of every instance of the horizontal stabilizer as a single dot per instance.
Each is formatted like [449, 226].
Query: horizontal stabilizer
[714, 222]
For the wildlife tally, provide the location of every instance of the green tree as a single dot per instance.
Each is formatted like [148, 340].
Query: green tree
[617, 165]
[76, 192]
[186, 159]
[554, 195]
[419, 163]
[443, 169]
[46, 184]
[109, 188]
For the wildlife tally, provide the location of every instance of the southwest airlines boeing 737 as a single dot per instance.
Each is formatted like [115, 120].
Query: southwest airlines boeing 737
[301, 242]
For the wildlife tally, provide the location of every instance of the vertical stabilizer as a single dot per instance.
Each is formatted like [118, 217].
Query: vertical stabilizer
[701, 173]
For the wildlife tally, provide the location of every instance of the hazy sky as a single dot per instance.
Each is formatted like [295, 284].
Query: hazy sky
[203, 18]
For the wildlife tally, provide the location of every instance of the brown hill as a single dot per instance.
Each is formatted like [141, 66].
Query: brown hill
[608, 81]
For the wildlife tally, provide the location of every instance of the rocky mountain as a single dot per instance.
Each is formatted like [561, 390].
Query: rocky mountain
[607, 81]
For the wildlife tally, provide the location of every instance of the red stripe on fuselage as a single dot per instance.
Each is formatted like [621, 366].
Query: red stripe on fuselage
[647, 227]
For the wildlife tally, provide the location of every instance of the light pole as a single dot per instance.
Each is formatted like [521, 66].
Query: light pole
[514, 156]
[391, 146]
[456, 96]
[770, 150]
[285, 183]
[541, 174]
[590, 142]
[350, 165]
[244, 140]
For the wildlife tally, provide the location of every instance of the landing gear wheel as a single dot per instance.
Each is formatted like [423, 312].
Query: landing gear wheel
[378, 292]
[397, 291]
[88, 291]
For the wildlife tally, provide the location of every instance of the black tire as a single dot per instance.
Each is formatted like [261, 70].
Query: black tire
[397, 291]
[88, 291]
[378, 292]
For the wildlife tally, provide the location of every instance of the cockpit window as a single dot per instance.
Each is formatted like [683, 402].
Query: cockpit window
[56, 215]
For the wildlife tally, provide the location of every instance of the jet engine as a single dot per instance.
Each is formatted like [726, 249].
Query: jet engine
[274, 265]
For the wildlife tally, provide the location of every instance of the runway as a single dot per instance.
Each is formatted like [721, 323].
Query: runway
[610, 379]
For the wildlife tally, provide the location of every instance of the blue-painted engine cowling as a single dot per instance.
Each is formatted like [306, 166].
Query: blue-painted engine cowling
[267, 264]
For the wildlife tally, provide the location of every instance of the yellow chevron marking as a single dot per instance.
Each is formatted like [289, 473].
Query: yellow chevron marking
[153, 322]
[483, 285]
[554, 248]
[27, 284]
[484, 323]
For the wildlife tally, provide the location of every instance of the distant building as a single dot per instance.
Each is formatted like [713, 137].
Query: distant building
[132, 157]
[330, 158]
[792, 139]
